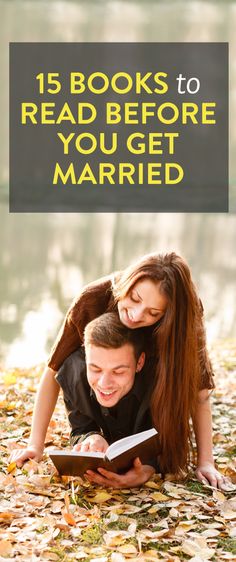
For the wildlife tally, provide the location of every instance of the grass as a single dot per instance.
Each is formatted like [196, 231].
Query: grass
[227, 544]
[93, 535]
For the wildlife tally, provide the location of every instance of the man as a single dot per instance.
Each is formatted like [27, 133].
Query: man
[108, 397]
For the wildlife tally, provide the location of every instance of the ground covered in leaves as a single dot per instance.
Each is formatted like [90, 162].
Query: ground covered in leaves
[44, 517]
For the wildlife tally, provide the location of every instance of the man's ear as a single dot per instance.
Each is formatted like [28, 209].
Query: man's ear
[140, 362]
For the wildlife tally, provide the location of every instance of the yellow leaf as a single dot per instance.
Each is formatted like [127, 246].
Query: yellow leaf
[153, 509]
[158, 497]
[101, 497]
[5, 548]
[219, 496]
[183, 528]
[11, 467]
[127, 549]
[9, 379]
[151, 484]
[113, 540]
[152, 553]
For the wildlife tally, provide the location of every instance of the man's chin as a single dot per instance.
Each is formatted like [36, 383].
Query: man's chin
[106, 400]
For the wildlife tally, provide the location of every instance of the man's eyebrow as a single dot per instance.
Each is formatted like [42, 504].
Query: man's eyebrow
[122, 366]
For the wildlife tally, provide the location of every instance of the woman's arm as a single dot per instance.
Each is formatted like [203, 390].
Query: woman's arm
[206, 471]
[45, 402]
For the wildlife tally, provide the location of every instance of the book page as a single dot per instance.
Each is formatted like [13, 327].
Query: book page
[69, 453]
[128, 442]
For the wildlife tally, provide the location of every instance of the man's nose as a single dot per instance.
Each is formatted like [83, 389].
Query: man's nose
[104, 380]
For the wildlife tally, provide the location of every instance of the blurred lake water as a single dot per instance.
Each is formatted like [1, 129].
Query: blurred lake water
[45, 259]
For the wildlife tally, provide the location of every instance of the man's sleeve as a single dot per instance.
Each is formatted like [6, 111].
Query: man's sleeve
[76, 394]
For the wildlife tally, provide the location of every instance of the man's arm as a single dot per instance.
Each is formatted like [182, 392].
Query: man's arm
[45, 402]
[136, 476]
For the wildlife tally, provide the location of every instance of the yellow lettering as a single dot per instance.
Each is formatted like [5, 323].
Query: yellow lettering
[126, 171]
[105, 79]
[180, 176]
[152, 172]
[113, 113]
[189, 110]
[160, 82]
[206, 112]
[66, 114]
[28, 110]
[77, 85]
[87, 175]
[70, 174]
[93, 113]
[168, 105]
[106, 171]
[66, 141]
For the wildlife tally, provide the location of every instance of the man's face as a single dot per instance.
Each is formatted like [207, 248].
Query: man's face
[111, 372]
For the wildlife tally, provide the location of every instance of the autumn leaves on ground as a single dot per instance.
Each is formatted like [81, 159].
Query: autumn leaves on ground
[44, 517]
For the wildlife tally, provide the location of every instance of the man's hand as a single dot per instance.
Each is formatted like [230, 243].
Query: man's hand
[136, 476]
[19, 456]
[208, 474]
[92, 443]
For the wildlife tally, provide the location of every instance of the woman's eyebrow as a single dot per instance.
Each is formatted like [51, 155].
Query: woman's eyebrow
[151, 307]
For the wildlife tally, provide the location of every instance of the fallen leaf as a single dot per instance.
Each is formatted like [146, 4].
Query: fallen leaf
[5, 548]
[158, 497]
[11, 467]
[219, 496]
[101, 497]
[197, 547]
[127, 549]
[69, 518]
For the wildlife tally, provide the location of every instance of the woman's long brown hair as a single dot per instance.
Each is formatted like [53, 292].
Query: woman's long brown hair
[176, 342]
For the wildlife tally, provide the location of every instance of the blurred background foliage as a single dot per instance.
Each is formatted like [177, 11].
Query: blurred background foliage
[45, 259]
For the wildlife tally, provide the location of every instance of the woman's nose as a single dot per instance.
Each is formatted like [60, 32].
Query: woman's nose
[137, 313]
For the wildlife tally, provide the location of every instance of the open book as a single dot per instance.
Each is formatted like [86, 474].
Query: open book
[119, 456]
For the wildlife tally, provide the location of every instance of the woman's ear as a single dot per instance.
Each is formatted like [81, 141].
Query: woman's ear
[140, 362]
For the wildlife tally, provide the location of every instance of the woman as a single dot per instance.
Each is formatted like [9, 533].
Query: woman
[156, 292]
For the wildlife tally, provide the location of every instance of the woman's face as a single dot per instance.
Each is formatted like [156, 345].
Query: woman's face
[144, 305]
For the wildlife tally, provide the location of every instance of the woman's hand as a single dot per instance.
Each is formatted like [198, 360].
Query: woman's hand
[92, 443]
[19, 456]
[208, 474]
[136, 476]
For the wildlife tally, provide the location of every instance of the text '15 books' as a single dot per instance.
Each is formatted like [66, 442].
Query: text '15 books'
[118, 457]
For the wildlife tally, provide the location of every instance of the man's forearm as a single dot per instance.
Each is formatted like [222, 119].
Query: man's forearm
[202, 423]
[44, 406]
